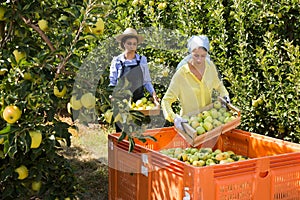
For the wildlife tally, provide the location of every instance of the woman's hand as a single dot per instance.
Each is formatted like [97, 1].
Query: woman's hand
[156, 100]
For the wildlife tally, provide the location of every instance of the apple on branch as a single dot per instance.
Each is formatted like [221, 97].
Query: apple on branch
[19, 55]
[43, 24]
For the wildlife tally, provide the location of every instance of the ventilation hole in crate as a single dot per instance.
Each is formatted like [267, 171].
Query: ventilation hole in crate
[235, 191]
[287, 186]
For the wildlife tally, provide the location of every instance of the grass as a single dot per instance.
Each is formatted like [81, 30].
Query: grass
[88, 157]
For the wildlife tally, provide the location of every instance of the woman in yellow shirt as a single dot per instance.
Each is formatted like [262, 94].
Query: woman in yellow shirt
[193, 83]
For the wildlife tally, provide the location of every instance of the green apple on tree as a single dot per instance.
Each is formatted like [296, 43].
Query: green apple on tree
[19, 55]
[3, 71]
[75, 103]
[2, 13]
[151, 3]
[99, 27]
[11, 114]
[22, 172]
[43, 24]
[162, 6]
[59, 93]
[27, 76]
[36, 185]
[88, 100]
[36, 139]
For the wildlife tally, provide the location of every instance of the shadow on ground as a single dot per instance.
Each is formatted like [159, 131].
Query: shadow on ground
[91, 173]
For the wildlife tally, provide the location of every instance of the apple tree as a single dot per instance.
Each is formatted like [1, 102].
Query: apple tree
[43, 44]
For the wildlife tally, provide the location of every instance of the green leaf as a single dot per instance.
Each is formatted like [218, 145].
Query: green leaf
[12, 150]
[122, 136]
[131, 144]
[150, 137]
[5, 130]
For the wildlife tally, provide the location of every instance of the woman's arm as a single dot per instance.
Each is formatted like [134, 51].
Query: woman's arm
[113, 72]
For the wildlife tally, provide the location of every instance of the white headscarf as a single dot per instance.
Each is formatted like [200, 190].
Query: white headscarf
[193, 43]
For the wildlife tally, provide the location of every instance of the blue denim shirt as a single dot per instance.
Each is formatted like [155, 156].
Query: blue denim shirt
[116, 70]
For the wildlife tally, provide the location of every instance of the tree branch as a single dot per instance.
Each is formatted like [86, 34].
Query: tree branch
[37, 29]
[61, 66]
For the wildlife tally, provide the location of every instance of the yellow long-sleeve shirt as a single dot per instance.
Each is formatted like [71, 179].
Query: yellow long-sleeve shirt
[192, 93]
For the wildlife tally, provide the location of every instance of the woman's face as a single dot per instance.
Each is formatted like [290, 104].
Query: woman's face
[198, 56]
[130, 44]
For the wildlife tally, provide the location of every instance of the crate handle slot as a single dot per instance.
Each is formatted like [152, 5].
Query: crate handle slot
[263, 174]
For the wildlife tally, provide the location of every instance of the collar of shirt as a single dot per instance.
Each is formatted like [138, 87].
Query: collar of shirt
[186, 69]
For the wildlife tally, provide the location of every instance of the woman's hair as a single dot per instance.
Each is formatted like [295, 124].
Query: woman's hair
[201, 48]
[126, 38]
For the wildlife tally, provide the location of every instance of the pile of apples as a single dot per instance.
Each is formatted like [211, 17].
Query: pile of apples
[143, 104]
[203, 156]
[210, 119]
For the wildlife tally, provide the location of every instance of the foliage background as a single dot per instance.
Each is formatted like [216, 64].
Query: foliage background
[255, 45]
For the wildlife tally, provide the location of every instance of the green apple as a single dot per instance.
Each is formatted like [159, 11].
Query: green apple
[60, 93]
[192, 118]
[88, 100]
[206, 113]
[221, 119]
[200, 163]
[195, 124]
[19, 55]
[2, 140]
[11, 114]
[200, 130]
[36, 139]
[208, 126]
[208, 119]
[75, 103]
[214, 113]
[210, 162]
[27, 76]
[22, 172]
[144, 100]
[2, 13]
[88, 29]
[216, 123]
[3, 71]
[200, 119]
[99, 27]
[162, 6]
[36, 185]
[222, 110]
[217, 105]
[43, 24]
[227, 114]
[139, 103]
[229, 119]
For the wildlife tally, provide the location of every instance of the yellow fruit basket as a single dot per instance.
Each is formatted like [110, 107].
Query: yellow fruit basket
[207, 124]
[146, 106]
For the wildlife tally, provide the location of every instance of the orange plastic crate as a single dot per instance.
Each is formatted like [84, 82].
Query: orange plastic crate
[272, 173]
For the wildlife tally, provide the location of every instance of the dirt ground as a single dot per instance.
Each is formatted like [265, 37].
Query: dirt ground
[88, 156]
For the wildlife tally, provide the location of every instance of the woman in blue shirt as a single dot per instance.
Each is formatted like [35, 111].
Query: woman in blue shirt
[131, 65]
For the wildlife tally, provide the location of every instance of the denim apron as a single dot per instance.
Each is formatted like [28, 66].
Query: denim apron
[134, 74]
